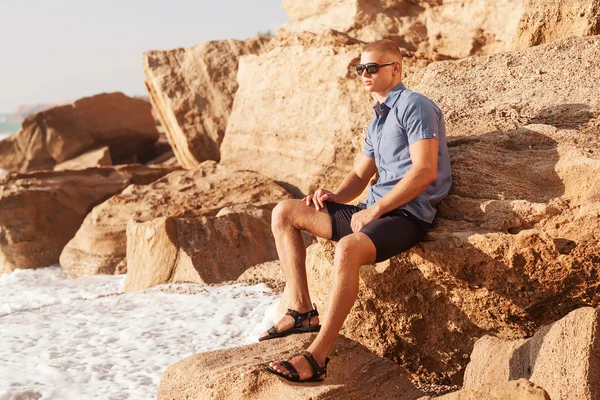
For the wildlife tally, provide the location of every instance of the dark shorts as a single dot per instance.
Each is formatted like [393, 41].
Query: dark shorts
[393, 233]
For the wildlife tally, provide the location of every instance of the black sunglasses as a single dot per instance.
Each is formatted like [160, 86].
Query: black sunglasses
[371, 67]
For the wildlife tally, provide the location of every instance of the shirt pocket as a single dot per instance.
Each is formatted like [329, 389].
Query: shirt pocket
[394, 146]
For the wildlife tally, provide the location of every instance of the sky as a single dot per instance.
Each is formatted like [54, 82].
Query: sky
[56, 51]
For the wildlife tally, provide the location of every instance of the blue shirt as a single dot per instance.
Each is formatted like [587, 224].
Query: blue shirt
[402, 119]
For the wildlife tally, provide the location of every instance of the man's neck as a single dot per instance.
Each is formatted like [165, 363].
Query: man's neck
[381, 96]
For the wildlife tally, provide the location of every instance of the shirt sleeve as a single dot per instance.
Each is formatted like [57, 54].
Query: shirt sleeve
[421, 119]
[368, 149]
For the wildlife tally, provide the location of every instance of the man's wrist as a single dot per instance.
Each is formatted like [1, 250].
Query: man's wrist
[377, 210]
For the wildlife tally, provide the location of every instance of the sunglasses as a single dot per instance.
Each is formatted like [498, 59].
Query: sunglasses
[371, 67]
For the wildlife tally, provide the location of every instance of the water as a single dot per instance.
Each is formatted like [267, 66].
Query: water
[8, 128]
[73, 339]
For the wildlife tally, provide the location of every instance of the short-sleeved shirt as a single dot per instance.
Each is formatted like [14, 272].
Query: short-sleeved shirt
[402, 119]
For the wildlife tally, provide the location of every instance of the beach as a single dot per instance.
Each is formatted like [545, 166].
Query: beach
[67, 338]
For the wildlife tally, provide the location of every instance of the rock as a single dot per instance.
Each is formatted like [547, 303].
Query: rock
[292, 125]
[547, 21]
[269, 273]
[239, 373]
[437, 29]
[511, 90]
[563, 358]
[192, 92]
[61, 133]
[94, 158]
[100, 245]
[200, 250]
[41, 211]
[520, 389]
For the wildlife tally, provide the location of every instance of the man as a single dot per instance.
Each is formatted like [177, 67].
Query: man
[406, 145]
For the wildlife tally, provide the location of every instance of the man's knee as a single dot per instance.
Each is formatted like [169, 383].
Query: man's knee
[282, 213]
[354, 250]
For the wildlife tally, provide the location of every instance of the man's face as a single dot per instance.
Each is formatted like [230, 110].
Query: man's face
[383, 78]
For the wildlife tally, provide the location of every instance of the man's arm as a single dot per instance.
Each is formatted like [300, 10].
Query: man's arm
[424, 157]
[352, 185]
[357, 180]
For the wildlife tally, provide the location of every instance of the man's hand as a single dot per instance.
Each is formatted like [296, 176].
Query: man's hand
[319, 197]
[362, 218]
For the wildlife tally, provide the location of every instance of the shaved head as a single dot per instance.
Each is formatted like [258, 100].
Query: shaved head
[384, 46]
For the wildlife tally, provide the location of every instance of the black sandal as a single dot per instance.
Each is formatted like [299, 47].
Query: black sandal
[319, 373]
[299, 318]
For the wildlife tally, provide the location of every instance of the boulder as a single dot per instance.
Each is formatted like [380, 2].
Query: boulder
[205, 249]
[63, 132]
[520, 389]
[93, 158]
[99, 247]
[239, 373]
[547, 21]
[554, 84]
[41, 211]
[563, 358]
[290, 123]
[516, 243]
[192, 92]
[436, 29]
[269, 273]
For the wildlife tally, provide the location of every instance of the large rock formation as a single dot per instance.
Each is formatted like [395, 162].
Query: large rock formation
[192, 91]
[434, 28]
[554, 84]
[296, 111]
[100, 245]
[203, 249]
[520, 389]
[563, 358]
[40, 212]
[549, 20]
[516, 243]
[239, 373]
[93, 158]
[64, 132]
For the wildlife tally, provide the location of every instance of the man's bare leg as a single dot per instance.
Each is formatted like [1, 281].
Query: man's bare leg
[351, 252]
[290, 218]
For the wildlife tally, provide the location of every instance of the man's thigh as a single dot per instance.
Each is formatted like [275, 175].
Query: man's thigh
[304, 217]
[341, 217]
[393, 234]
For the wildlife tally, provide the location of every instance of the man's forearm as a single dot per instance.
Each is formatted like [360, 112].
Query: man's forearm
[350, 188]
[413, 184]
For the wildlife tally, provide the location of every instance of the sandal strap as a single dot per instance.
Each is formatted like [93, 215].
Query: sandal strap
[291, 369]
[272, 331]
[317, 370]
[299, 318]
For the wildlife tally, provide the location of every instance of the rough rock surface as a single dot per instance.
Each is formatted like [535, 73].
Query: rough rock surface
[549, 20]
[200, 250]
[554, 84]
[293, 125]
[100, 245]
[516, 244]
[61, 133]
[269, 273]
[239, 373]
[41, 211]
[520, 389]
[192, 92]
[563, 358]
[93, 158]
[436, 28]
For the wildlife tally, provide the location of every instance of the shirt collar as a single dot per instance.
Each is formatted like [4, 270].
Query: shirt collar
[390, 100]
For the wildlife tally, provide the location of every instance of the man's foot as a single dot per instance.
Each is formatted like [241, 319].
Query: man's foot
[303, 368]
[294, 322]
